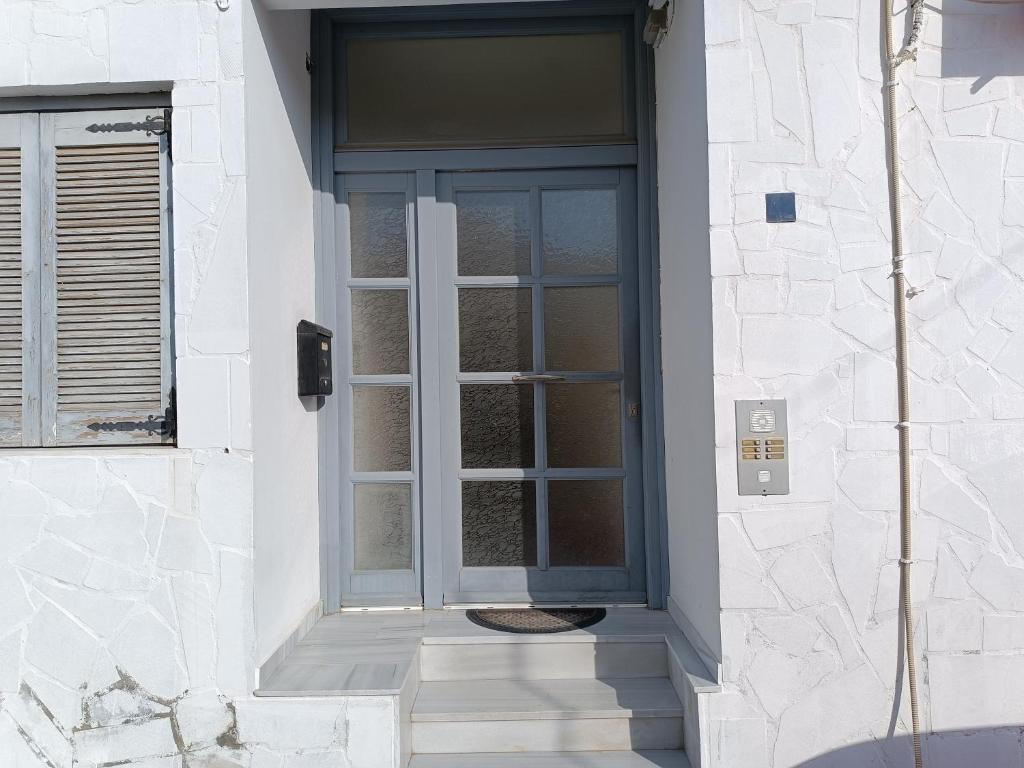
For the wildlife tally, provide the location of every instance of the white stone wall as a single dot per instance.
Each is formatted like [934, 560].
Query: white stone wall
[282, 290]
[126, 619]
[126, 576]
[115, 563]
[686, 339]
[803, 311]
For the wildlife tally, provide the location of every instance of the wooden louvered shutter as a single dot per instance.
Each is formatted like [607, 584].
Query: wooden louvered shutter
[19, 240]
[107, 375]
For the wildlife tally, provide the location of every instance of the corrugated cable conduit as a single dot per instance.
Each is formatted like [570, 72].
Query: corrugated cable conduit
[901, 293]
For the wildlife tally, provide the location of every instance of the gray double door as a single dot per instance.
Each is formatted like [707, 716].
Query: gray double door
[488, 356]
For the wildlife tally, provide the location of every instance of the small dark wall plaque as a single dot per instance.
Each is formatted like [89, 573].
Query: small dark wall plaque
[780, 207]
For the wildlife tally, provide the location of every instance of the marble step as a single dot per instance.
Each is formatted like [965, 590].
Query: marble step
[543, 661]
[483, 716]
[656, 759]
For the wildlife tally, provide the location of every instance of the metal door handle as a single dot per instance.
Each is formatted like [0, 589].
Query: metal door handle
[530, 377]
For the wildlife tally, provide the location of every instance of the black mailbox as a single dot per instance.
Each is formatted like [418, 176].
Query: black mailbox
[314, 344]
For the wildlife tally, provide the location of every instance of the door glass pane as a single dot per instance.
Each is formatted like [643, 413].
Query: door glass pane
[581, 328]
[493, 233]
[383, 440]
[379, 240]
[506, 90]
[383, 527]
[584, 425]
[580, 231]
[495, 329]
[497, 426]
[585, 525]
[380, 331]
[499, 524]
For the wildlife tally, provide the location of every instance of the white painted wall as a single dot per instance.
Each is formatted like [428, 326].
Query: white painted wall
[281, 293]
[127, 630]
[803, 311]
[127, 577]
[686, 329]
[129, 572]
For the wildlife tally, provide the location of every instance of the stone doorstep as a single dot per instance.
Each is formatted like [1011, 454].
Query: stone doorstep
[372, 653]
[379, 654]
[651, 759]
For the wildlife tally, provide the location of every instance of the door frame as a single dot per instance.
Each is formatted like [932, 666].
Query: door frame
[327, 161]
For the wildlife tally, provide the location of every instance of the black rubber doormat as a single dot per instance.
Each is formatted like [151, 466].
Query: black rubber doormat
[536, 621]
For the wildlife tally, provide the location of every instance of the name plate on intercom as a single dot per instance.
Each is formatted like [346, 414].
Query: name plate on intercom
[762, 447]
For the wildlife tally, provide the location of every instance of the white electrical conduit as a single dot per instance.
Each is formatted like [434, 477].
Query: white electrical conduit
[900, 296]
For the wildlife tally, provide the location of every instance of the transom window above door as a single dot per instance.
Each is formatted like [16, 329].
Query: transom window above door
[531, 89]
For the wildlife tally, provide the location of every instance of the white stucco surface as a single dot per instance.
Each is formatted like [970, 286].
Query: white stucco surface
[140, 589]
[127, 626]
[803, 312]
[282, 287]
[686, 344]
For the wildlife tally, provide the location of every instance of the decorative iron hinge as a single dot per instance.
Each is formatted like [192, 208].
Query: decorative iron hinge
[155, 125]
[166, 427]
[161, 126]
[151, 426]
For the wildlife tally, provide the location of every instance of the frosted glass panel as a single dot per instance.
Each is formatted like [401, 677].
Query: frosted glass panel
[379, 240]
[494, 233]
[581, 328]
[380, 331]
[495, 329]
[475, 90]
[499, 524]
[383, 441]
[585, 523]
[383, 527]
[584, 425]
[581, 235]
[497, 426]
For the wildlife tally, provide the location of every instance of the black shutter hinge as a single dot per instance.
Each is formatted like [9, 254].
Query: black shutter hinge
[171, 415]
[159, 126]
[167, 427]
[153, 125]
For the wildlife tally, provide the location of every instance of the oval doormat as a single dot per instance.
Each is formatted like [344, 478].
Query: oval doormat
[536, 621]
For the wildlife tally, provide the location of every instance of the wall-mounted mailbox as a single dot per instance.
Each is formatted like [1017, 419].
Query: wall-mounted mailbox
[314, 345]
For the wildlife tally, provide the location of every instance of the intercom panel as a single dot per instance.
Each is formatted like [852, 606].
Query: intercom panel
[762, 447]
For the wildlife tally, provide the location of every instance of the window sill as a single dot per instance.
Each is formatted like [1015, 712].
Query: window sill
[156, 451]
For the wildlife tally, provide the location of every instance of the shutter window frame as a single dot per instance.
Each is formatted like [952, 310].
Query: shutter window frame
[19, 427]
[96, 271]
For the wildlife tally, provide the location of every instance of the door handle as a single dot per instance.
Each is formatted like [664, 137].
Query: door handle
[542, 377]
